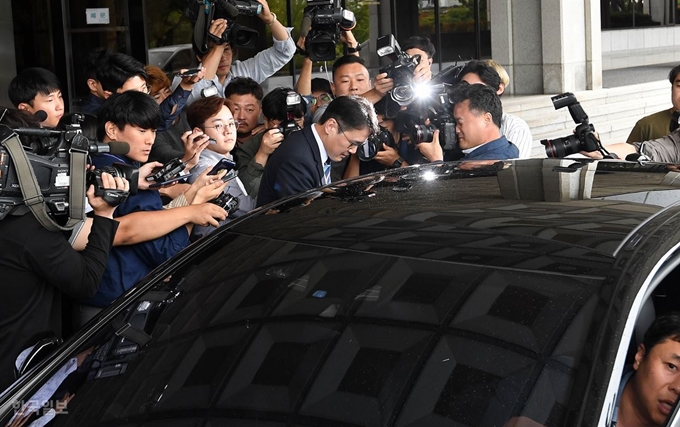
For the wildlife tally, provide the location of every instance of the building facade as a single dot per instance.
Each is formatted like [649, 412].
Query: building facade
[547, 46]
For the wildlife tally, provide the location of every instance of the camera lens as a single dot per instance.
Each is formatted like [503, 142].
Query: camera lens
[561, 147]
[402, 94]
[422, 133]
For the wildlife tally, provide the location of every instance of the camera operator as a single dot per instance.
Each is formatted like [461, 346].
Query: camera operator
[252, 156]
[478, 114]
[39, 267]
[220, 66]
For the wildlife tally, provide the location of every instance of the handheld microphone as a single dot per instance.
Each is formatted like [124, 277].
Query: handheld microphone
[305, 26]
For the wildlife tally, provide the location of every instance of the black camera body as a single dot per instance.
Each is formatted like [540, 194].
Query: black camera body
[436, 107]
[293, 106]
[203, 12]
[167, 172]
[400, 70]
[227, 202]
[117, 169]
[326, 19]
[50, 162]
[374, 144]
[583, 138]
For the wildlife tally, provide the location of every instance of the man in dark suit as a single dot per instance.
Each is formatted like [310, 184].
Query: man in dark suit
[303, 159]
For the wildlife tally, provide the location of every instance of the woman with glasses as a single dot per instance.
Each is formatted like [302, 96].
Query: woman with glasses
[212, 117]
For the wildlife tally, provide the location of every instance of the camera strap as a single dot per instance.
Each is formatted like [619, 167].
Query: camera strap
[30, 189]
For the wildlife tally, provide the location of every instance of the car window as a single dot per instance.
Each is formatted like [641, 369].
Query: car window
[254, 331]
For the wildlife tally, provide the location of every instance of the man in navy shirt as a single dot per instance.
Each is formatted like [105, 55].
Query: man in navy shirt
[478, 112]
[133, 117]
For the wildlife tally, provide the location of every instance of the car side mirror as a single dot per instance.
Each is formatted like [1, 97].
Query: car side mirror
[34, 355]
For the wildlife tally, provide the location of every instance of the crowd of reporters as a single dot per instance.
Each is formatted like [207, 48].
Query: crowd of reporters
[234, 147]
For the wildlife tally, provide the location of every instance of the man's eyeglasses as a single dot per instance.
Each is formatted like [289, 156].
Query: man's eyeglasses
[324, 98]
[351, 143]
[221, 127]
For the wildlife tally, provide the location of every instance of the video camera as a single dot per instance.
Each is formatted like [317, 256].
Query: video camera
[400, 70]
[50, 156]
[203, 12]
[321, 25]
[583, 138]
[293, 108]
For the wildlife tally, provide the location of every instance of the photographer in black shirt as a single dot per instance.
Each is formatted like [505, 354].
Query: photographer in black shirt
[38, 265]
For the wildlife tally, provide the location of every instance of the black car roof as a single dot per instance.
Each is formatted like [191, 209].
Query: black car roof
[489, 213]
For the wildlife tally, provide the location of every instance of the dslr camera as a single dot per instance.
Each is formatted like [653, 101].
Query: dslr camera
[49, 153]
[374, 144]
[293, 108]
[400, 70]
[435, 105]
[203, 12]
[321, 25]
[583, 138]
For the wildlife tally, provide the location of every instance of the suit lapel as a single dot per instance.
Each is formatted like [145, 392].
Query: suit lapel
[309, 137]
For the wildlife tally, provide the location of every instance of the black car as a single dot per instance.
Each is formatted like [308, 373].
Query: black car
[451, 294]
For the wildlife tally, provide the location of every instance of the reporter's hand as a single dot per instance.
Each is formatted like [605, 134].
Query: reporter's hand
[206, 187]
[100, 207]
[270, 141]
[187, 83]
[194, 142]
[422, 73]
[217, 27]
[266, 14]
[388, 156]
[383, 84]
[144, 171]
[432, 150]
[207, 214]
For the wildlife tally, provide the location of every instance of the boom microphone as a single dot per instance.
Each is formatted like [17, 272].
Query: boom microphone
[229, 8]
[113, 147]
[37, 131]
[305, 26]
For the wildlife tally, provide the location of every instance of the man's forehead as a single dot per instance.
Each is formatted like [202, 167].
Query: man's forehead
[243, 100]
[348, 70]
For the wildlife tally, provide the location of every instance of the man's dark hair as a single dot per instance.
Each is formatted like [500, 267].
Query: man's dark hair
[202, 109]
[419, 42]
[352, 112]
[244, 86]
[483, 99]
[30, 82]
[666, 326]
[674, 73]
[484, 71]
[129, 108]
[274, 105]
[113, 69]
[347, 59]
[321, 85]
